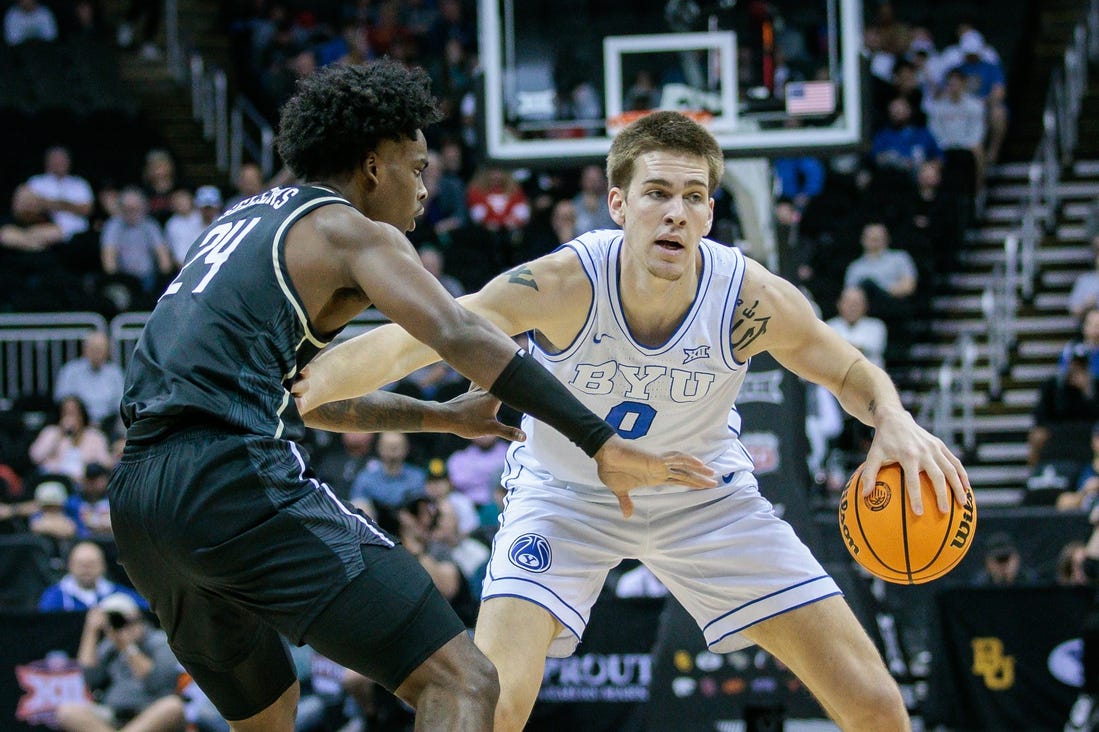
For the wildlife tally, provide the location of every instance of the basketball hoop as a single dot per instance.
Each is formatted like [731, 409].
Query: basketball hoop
[618, 121]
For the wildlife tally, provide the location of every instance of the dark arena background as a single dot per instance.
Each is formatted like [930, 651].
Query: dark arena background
[964, 133]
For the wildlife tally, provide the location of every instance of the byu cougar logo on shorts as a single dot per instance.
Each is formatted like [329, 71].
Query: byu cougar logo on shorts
[530, 552]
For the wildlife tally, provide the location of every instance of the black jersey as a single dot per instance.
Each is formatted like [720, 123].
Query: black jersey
[230, 333]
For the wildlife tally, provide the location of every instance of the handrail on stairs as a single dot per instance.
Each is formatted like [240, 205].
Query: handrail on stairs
[1057, 146]
[173, 41]
[948, 411]
[210, 106]
[1060, 136]
[999, 304]
[236, 132]
[251, 133]
[1014, 279]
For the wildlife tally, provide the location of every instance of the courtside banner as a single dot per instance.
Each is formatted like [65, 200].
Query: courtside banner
[694, 690]
[1010, 659]
[38, 668]
[604, 686]
[771, 404]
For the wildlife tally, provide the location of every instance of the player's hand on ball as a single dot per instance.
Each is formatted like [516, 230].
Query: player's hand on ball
[886, 537]
[898, 439]
[623, 467]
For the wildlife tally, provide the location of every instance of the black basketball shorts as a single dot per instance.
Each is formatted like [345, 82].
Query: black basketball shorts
[231, 540]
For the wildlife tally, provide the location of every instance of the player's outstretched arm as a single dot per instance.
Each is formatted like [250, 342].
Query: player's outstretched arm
[389, 272]
[360, 365]
[808, 347]
[549, 294]
[468, 415]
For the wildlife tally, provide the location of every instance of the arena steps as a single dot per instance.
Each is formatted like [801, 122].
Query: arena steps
[166, 103]
[997, 464]
[167, 108]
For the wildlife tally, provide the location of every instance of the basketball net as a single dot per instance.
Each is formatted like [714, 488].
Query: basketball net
[618, 121]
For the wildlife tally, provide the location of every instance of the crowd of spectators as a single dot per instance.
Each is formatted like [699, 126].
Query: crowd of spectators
[439, 494]
[937, 122]
[74, 241]
[866, 237]
[55, 488]
[888, 224]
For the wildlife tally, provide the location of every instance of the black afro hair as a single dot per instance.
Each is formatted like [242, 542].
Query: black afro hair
[340, 113]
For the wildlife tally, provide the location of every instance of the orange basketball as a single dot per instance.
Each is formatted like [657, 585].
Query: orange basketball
[891, 542]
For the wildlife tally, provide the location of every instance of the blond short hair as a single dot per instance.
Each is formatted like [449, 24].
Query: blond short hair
[663, 131]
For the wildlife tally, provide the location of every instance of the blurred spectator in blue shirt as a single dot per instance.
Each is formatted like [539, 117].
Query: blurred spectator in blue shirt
[390, 481]
[982, 76]
[799, 179]
[27, 20]
[1087, 343]
[133, 244]
[985, 80]
[86, 584]
[89, 506]
[94, 379]
[902, 144]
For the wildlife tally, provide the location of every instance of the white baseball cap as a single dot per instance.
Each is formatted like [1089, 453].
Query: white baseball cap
[120, 602]
[51, 493]
[972, 42]
[208, 196]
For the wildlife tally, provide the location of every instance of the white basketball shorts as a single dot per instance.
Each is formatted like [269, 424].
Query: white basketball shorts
[722, 552]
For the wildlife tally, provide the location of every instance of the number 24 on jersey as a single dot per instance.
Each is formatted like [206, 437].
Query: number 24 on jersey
[219, 243]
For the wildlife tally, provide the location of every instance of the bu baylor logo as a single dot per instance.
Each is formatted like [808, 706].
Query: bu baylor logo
[989, 662]
[530, 552]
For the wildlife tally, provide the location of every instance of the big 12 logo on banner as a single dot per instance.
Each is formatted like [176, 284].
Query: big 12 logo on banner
[48, 683]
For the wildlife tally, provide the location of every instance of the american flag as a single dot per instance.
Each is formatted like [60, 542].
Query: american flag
[810, 97]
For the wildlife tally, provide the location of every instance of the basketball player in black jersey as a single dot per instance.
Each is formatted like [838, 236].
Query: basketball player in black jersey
[219, 520]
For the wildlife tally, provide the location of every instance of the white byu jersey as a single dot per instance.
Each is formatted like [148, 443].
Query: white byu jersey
[676, 396]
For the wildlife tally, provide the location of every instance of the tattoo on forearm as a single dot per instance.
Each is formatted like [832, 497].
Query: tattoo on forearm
[750, 324]
[371, 413]
[522, 275]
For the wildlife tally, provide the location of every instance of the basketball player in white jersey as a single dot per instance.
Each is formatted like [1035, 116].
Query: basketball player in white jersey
[653, 327]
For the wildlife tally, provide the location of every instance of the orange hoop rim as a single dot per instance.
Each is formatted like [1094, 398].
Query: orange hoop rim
[618, 121]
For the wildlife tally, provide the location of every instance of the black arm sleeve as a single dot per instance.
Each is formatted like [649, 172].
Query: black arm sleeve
[1091, 569]
[526, 386]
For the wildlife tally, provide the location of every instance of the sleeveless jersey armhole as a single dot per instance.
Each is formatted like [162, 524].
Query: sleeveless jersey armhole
[542, 344]
[282, 271]
[736, 284]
